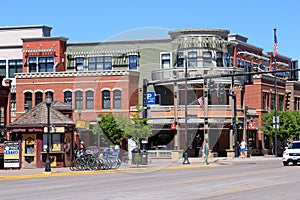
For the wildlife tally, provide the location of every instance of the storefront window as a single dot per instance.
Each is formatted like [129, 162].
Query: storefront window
[54, 143]
[29, 146]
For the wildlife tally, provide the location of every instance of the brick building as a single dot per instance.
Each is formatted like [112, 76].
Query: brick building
[102, 77]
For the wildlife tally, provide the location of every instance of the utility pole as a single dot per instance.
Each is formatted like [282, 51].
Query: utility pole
[233, 95]
[275, 91]
[186, 156]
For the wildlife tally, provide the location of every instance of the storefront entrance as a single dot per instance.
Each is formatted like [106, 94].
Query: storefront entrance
[29, 151]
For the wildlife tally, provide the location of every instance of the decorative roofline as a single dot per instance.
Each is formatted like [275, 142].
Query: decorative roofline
[76, 74]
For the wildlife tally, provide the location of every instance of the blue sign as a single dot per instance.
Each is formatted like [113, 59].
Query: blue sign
[150, 97]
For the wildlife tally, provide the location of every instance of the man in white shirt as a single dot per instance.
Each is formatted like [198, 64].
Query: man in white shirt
[242, 149]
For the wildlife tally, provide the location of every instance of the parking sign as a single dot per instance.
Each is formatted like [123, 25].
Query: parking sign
[150, 97]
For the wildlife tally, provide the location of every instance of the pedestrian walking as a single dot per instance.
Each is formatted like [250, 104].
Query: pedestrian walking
[242, 148]
[205, 151]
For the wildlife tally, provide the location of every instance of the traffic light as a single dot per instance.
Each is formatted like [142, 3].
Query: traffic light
[211, 85]
[248, 77]
[287, 100]
[145, 85]
[221, 90]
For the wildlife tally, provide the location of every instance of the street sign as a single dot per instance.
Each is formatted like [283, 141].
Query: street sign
[277, 117]
[150, 97]
[11, 154]
[276, 127]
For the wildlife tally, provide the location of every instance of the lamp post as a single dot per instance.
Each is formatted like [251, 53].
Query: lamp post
[186, 155]
[99, 120]
[48, 103]
[236, 151]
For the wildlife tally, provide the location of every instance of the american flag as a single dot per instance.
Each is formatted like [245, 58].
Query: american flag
[275, 44]
[201, 102]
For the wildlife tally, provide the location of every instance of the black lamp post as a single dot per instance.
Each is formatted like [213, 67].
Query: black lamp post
[185, 153]
[236, 150]
[99, 120]
[48, 103]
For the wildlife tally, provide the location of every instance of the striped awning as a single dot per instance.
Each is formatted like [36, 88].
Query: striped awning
[103, 52]
[37, 50]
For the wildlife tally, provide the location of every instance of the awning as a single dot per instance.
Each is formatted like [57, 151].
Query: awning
[37, 50]
[103, 52]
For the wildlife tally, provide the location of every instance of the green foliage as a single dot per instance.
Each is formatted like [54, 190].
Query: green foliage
[289, 124]
[109, 127]
[136, 127]
[117, 128]
[137, 159]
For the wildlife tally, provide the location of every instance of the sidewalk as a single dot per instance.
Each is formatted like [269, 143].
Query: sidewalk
[156, 164]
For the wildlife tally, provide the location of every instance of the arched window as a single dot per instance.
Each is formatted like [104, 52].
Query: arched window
[51, 94]
[78, 100]
[89, 99]
[117, 99]
[105, 99]
[38, 97]
[68, 97]
[27, 101]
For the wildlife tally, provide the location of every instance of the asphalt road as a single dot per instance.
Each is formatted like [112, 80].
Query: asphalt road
[228, 180]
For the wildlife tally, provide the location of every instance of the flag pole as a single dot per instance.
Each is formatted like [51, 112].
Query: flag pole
[275, 91]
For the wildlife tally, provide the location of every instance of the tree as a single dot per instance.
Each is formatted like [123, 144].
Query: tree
[136, 127]
[113, 134]
[289, 126]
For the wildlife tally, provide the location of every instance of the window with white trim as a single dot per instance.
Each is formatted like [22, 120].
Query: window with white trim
[192, 59]
[89, 99]
[78, 100]
[3, 68]
[165, 60]
[15, 66]
[68, 97]
[117, 99]
[105, 99]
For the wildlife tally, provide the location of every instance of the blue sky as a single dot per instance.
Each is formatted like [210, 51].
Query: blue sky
[96, 20]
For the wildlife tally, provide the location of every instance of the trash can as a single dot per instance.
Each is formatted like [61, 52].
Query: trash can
[135, 152]
[144, 157]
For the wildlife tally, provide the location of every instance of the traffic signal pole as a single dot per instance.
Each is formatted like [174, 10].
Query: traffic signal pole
[236, 150]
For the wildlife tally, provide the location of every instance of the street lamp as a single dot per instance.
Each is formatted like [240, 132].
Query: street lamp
[99, 120]
[236, 151]
[48, 103]
[186, 155]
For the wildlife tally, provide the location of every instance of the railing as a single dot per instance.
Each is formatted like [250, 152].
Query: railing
[160, 153]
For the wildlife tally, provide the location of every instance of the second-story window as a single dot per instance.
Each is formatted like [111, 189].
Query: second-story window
[32, 64]
[133, 61]
[14, 66]
[3, 68]
[273, 102]
[38, 97]
[46, 64]
[192, 59]
[51, 94]
[27, 101]
[89, 100]
[68, 97]
[280, 105]
[100, 63]
[264, 101]
[78, 100]
[219, 59]
[79, 64]
[165, 59]
[106, 99]
[117, 99]
[180, 60]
